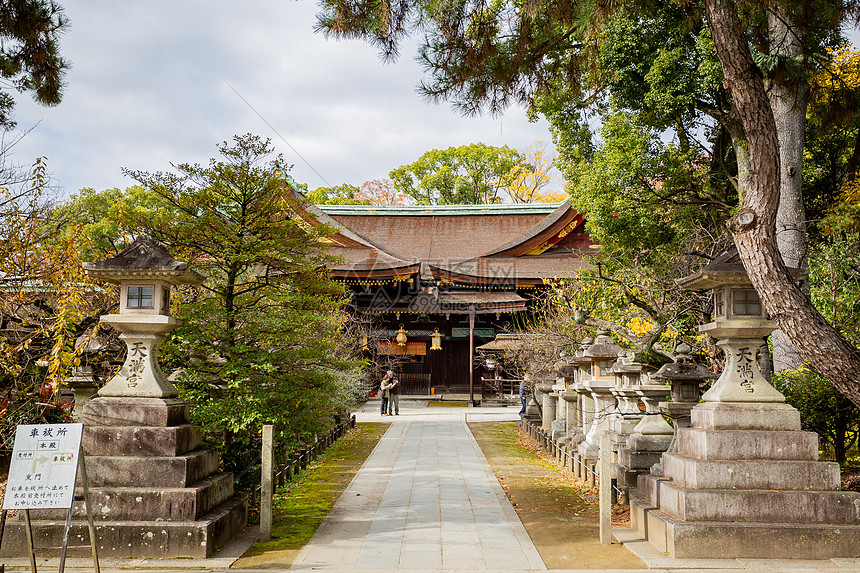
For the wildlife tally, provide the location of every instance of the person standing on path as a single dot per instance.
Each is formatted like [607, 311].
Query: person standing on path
[524, 392]
[385, 392]
[394, 395]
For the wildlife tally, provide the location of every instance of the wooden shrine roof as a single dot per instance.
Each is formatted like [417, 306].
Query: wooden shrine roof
[504, 244]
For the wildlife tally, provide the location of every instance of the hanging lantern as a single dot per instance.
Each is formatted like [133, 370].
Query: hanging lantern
[436, 338]
[401, 337]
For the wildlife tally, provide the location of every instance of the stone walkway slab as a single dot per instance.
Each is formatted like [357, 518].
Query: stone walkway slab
[425, 499]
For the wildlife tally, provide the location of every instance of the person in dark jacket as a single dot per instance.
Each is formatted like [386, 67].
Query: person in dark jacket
[525, 388]
[394, 395]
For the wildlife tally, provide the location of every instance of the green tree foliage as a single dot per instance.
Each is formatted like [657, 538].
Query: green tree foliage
[823, 410]
[107, 221]
[30, 59]
[262, 340]
[345, 194]
[469, 174]
[835, 290]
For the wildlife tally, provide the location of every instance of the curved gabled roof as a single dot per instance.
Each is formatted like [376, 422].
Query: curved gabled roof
[477, 244]
[547, 227]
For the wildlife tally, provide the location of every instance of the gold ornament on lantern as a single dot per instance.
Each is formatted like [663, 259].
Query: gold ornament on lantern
[401, 337]
[436, 338]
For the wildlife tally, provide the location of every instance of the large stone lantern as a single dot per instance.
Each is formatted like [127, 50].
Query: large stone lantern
[602, 354]
[156, 491]
[745, 481]
[145, 273]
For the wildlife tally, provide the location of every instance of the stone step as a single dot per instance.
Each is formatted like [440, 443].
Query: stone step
[165, 412]
[179, 471]
[626, 477]
[714, 540]
[765, 416]
[140, 440]
[648, 488]
[748, 444]
[760, 506]
[751, 474]
[638, 460]
[148, 504]
[139, 539]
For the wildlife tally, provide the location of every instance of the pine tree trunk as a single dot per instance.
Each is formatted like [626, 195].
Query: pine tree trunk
[789, 96]
[754, 225]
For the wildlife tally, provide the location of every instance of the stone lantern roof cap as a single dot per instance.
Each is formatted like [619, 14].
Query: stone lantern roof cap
[726, 269]
[677, 371]
[579, 357]
[683, 368]
[143, 258]
[628, 361]
[603, 347]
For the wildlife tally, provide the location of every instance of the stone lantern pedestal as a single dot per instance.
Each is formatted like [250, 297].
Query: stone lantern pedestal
[602, 353]
[648, 440]
[633, 376]
[745, 481]
[155, 491]
[547, 405]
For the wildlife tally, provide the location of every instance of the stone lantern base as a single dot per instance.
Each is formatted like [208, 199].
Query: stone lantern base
[155, 492]
[745, 482]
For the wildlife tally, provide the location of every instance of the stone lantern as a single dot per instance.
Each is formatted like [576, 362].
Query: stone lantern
[745, 481]
[685, 378]
[740, 324]
[156, 491]
[602, 354]
[634, 382]
[145, 273]
[641, 446]
[584, 405]
[567, 373]
[628, 371]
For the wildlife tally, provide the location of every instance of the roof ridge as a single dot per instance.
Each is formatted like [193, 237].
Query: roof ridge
[542, 225]
[433, 210]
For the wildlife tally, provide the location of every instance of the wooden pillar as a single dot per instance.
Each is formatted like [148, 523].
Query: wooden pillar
[471, 354]
[266, 486]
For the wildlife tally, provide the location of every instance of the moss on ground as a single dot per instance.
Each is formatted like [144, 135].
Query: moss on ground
[441, 404]
[558, 511]
[300, 507]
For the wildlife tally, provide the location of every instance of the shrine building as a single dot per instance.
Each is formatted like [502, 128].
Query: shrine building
[463, 273]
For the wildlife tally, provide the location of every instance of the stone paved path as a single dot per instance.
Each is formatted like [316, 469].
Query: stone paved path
[425, 499]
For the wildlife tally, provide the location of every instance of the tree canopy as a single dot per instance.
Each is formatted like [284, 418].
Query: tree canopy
[264, 330]
[30, 59]
[473, 174]
[727, 81]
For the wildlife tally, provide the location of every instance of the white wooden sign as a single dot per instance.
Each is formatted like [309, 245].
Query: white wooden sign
[43, 467]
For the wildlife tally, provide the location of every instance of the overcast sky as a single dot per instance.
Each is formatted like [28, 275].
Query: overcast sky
[150, 85]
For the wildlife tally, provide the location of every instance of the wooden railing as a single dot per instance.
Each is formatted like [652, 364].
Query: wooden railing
[500, 387]
[415, 384]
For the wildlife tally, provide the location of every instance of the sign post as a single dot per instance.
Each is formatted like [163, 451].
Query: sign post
[45, 463]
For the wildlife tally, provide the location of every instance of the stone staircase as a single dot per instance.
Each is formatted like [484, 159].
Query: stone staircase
[746, 482]
[154, 491]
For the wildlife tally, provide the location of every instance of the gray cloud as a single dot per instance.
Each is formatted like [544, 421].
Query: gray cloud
[149, 87]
